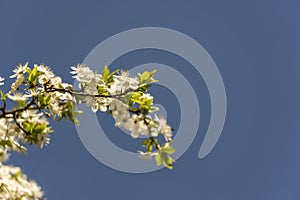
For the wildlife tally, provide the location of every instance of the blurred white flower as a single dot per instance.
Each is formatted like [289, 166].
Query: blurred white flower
[153, 132]
[15, 185]
[18, 82]
[31, 116]
[33, 92]
[43, 140]
[1, 80]
[56, 80]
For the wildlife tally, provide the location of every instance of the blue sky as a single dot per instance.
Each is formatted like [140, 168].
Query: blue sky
[255, 45]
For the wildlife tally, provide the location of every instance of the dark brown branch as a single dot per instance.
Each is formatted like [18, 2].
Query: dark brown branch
[19, 125]
[27, 107]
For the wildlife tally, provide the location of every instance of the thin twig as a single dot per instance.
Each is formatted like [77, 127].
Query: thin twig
[19, 125]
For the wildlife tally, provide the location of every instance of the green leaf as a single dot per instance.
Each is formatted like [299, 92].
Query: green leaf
[102, 90]
[167, 148]
[166, 160]
[47, 100]
[158, 159]
[105, 74]
[17, 174]
[145, 143]
[149, 147]
[145, 105]
[39, 128]
[152, 72]
[6, 143]
[32, 76]
[28, 126]
[144, 87]
[3, 95]
[147, 77]
[163, 157]
[110, 77]
[135, 97]
[21, 104]
[28, 70]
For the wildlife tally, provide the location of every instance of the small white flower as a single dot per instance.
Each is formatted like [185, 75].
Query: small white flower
[128, 124]
[82, 73]
[147, 155]
[95, 107]
[56, 80]
[19, 70]
[44, 140]
[163, 127]
[138, 127]
[17, 83]
[153, 132]
[67, 86]
[146, 96]
[103, 107]
[122, 83]
[18, 97]
[128, 81]
[54, 108]
[31, 114]
[115, 88]
[63, 96]
[33, 92]
[98, 79]
[43, 79]
[46, 70]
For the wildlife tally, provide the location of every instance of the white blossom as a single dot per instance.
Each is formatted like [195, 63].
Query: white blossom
[120, 112]
[43, 139]
[18, 96]
[122, 83]
[43, 79]
[146, 96]
[163, 127]
[153, 132]
[31, 116]
[82, 73]
[136, 125]
[18, 82]
[20, 70]
[56, 80]
[97, 103]
[52, 98]
[33, 92]
[46, 70]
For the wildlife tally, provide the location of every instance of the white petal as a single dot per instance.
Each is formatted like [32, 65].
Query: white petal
[95, 107]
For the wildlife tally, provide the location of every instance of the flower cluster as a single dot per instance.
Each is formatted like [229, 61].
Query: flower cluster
[128, 101]
[37, 94]
[15, 185]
